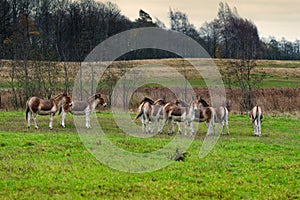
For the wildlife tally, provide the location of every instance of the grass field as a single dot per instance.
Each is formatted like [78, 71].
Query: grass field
[278, 74]
[44, 164]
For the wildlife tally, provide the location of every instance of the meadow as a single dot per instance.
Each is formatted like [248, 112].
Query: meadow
[44, 164]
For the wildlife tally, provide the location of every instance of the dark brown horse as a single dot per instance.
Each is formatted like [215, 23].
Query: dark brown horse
[256, 117]
[36, 105]
[83, 108]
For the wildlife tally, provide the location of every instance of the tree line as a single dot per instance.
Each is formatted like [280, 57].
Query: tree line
[65, 30]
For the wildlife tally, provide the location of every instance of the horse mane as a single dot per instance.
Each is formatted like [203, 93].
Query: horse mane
[93, 97]
[179, 101]
[203, 102]
[147, 99]
[59, 95]
[158, 100]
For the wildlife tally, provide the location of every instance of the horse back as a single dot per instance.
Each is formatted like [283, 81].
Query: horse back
[221, 113]
[79, 106]
[256, 112]
[46, 105]
[33, 103]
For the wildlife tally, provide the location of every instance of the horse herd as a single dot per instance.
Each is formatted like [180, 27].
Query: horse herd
[159, 113]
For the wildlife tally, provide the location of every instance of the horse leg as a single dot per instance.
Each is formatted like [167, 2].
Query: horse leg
[62, 121]
[227, 126]
[208, 129]
[150, 126]
[185, 127]
[211, 126]
[223, 125]
[170, 123]
[179, 128]
[153, 125]
[191, 129]
[160, 129]
[255, 128]
[259, 128]
[34, 120]
[158, 126]
[214, 127]
[143, 124]
[87, 120]
[51, 120]
[28, 119]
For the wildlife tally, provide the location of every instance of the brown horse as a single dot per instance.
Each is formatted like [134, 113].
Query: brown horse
[151, 113]
[83, 108]
[36, 105]
[179, 111]
[256, 117]
[212, 115]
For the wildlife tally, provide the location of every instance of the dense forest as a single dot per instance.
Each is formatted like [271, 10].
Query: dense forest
[65, 30]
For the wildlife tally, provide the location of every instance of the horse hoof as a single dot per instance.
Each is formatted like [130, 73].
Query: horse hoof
[28, 127]
[36, 128]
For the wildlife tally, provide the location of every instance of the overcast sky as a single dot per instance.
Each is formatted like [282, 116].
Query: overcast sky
[279, 18]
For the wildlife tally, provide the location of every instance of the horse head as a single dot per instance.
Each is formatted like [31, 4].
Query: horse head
[67, 99]
[98, 97]
[195, 104]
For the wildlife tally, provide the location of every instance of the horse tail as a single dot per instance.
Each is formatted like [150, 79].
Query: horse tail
[256, 115]
[27, 110]
[139, 115]
[60, 109]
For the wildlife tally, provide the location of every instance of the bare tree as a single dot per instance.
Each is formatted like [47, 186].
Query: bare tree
[239, 73]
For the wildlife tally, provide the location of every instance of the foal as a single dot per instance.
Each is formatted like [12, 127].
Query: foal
[36, 105]
[83, 108]
[256, 117]
[151, 113]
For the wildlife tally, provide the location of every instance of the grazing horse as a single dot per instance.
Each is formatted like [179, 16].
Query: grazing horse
[179, 111]
[151, 113]
[36, 105]
[256, 117]
[83, 108]
[212, 115]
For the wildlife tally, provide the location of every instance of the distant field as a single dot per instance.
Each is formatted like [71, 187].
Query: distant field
[46, 164]
[278, 74]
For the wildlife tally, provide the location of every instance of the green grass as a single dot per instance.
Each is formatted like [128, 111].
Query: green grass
[44, 164]
[280, 82]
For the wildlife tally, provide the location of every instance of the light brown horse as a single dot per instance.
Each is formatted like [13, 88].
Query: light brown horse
[256, 117]
[151, 113]
[36, 105]
[212, 115]
[83, 108]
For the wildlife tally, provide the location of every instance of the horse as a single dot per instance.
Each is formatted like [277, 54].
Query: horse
[83, 108]
[179, 111]
[256, 117]
[36, 105]
[212, 115]
[151, 113]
